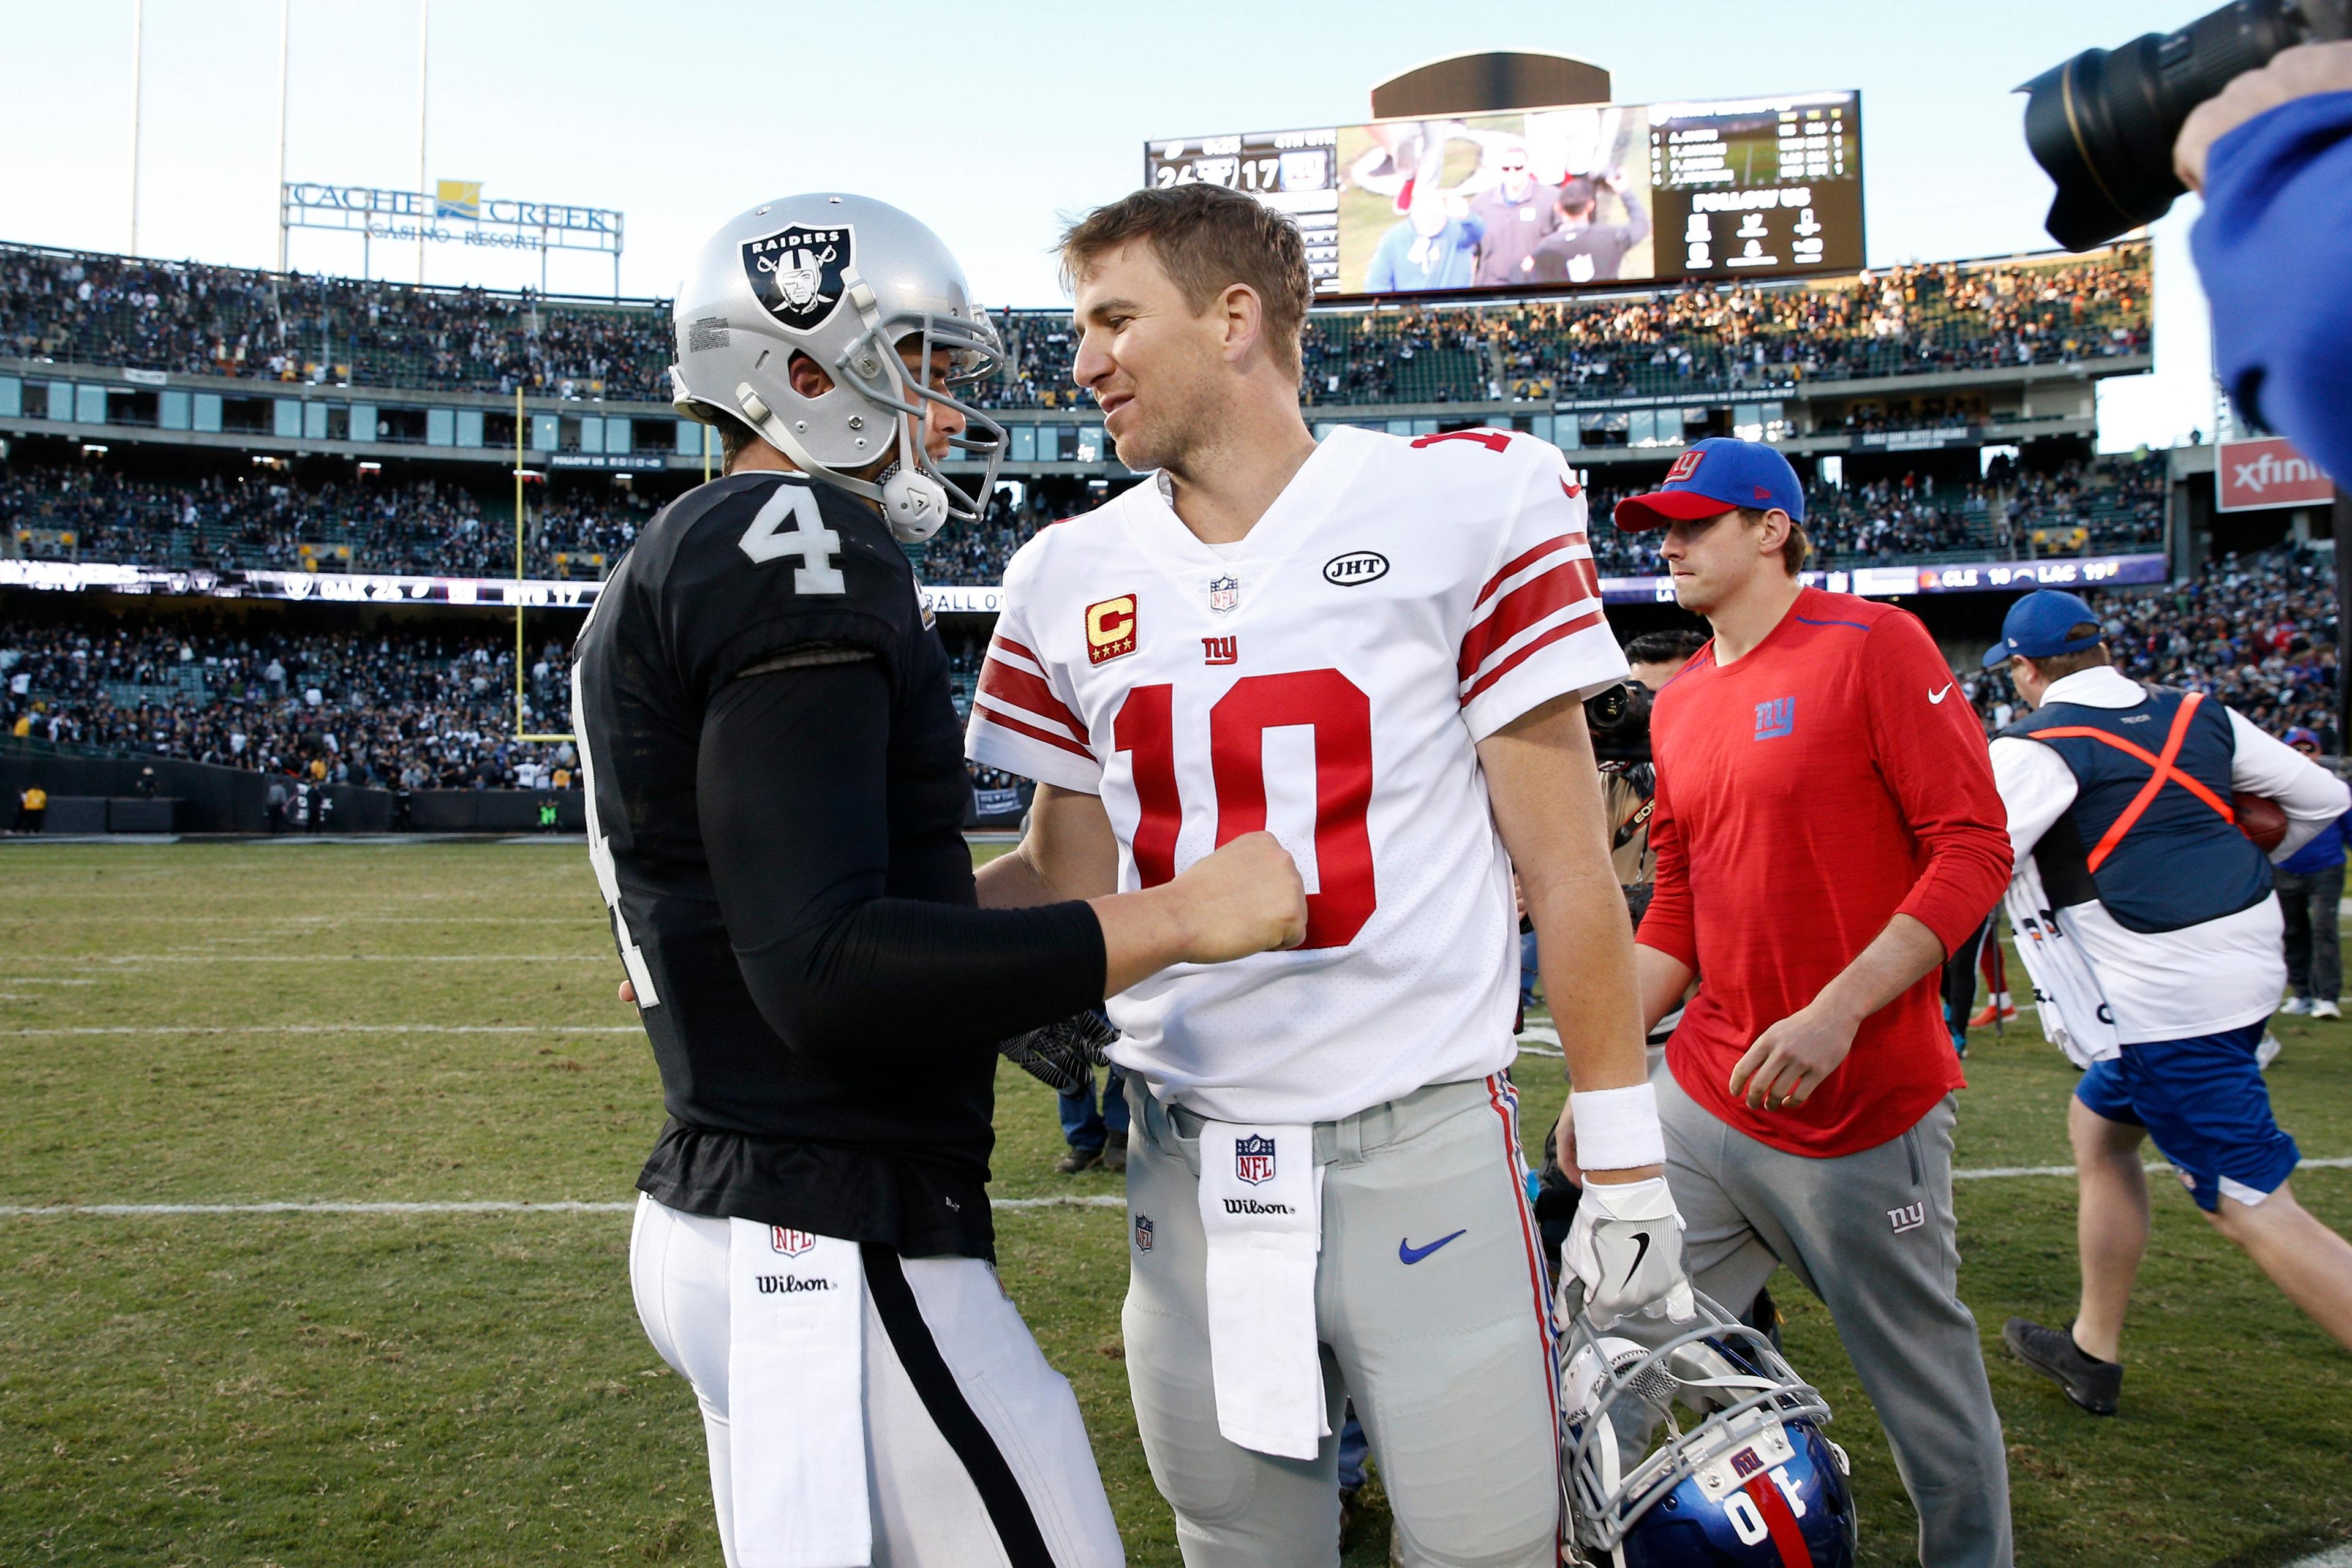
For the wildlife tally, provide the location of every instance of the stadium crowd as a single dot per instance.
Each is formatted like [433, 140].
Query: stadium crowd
[419, 713]
[260, 522]
[223, 320]
[256, 521]
[199, 320]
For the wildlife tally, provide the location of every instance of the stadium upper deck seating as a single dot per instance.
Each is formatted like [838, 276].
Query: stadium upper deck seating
[188, 317]
[247, 521]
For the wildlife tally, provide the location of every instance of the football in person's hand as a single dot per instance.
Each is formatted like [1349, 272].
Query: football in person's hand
[2260, 819]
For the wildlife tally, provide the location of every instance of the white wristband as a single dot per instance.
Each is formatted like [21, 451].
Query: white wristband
[1617, 1128]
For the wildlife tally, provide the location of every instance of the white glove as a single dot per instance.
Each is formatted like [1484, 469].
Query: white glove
[1625, 1246]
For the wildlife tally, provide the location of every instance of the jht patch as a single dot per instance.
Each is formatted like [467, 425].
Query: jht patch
[790, 1243]
[1254, 1158]
[797, 272]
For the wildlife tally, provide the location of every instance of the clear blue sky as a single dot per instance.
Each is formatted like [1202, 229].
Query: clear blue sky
[987, 121]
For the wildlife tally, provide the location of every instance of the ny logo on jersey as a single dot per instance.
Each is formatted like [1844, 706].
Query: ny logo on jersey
[1254, 1158]
[790, 1243]
[1776, 718]
[768, 540]
[1221, 650]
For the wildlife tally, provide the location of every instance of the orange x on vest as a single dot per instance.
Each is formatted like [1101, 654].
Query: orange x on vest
[2160, 772]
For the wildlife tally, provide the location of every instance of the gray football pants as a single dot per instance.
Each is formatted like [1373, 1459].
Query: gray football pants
[1430, 1302]
[1872, 1235]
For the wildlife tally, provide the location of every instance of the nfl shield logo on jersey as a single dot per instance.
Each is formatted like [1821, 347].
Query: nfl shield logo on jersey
[797, 272]
[1254, 1158]
[790, 1243]
[1224, 594]
[1143, 1233]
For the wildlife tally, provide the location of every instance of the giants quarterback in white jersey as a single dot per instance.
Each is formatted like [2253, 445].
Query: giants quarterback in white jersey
[1375, 650]
[1328, 679]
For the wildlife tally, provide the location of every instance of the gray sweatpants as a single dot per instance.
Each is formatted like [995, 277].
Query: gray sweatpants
[1430, 1303]
[1873, 1235]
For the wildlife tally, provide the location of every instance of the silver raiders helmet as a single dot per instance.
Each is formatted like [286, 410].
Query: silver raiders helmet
[849, 282]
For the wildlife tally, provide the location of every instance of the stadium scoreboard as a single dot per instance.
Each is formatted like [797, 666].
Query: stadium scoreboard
[1574, 195]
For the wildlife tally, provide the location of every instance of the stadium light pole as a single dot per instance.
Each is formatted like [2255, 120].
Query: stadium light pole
[522, 728]
[284, 8]
[138, 75]
[423, 49]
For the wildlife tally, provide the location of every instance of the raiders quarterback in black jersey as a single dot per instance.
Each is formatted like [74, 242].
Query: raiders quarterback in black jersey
[776, 797]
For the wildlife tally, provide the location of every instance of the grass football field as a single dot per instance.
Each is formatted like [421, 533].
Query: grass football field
[432, 1023]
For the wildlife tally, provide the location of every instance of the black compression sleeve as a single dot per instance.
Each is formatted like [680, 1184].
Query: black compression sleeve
[794, 801]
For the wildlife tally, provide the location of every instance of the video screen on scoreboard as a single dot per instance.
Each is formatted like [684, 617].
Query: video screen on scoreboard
[1565, 197]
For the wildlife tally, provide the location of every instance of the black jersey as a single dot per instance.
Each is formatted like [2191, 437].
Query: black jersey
[776, 800]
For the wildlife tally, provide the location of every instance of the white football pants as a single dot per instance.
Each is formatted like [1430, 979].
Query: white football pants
[1430, 1304]
[975, 1455]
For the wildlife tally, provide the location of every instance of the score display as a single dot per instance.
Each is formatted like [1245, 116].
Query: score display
[1766, 187]
[1578, 194]
[1297, 171]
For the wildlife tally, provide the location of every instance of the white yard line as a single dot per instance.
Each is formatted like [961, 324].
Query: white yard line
[72, 1029]
[132, 960]
[1078, 1201]
[560, 1206]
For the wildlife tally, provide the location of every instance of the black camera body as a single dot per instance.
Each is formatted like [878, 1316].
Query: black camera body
[1619, 720]
[2102, 124]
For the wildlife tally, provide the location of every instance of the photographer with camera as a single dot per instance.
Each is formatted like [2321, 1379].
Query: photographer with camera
[2250, 105]
[1621, 741]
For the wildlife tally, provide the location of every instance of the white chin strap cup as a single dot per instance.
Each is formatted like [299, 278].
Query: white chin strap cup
[914, 504]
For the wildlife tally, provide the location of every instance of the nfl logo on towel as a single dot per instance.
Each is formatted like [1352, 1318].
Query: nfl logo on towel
[1143, 1233]
[790, 1243]
[1254, 1158]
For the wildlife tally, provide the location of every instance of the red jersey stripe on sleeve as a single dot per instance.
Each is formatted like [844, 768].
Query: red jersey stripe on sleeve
[1546, 594]
[1009, 646]
[1521, 654]
[1004, 721]
[1521, 561]
[1016, 688]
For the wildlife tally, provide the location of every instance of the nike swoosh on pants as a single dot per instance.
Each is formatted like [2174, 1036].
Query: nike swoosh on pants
[1408, 1252]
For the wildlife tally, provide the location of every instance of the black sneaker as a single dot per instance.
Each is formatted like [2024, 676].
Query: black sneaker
[2092, 1383]
[1078, 1160]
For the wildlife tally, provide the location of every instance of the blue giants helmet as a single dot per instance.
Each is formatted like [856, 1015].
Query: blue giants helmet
[1750, 1482]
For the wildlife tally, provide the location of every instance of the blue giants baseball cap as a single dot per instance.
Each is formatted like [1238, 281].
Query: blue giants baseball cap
[1711, 478]
[2037, 624]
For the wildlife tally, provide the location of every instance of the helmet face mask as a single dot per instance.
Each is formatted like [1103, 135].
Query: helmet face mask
[858, 288]
[1753, 1466]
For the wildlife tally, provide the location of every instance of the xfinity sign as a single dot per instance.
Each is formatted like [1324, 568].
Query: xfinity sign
[2248, 474]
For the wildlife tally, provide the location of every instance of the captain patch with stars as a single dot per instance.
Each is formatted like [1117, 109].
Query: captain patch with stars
[797, 272]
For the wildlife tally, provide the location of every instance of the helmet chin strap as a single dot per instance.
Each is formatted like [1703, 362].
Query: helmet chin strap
[914, 505]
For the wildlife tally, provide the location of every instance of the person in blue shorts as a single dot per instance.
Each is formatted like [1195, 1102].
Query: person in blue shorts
[2147, 920]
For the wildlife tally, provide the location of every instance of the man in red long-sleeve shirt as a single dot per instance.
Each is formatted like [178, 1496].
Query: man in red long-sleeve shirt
[1827, 832]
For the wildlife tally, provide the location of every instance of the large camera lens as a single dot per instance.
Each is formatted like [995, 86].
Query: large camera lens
[2102, 124]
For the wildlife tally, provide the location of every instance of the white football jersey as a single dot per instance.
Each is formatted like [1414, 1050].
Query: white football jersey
[1327, 678]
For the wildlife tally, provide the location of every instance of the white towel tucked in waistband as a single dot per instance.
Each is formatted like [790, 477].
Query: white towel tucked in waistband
[1262, 1208]
[796, 1398]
